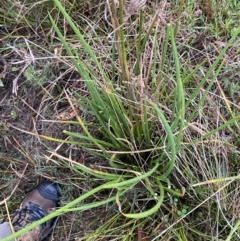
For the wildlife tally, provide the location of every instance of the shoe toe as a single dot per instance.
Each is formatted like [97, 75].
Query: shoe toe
[49, 190]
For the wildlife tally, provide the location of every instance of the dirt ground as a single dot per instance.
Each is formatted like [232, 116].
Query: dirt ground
[23, 117]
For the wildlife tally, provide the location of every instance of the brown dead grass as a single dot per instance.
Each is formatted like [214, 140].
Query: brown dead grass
[26, 115]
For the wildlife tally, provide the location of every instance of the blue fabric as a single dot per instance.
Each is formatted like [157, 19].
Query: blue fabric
[5, 230]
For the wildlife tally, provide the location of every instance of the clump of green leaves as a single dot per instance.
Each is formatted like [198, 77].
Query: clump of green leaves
[36, 77]
[130, 123]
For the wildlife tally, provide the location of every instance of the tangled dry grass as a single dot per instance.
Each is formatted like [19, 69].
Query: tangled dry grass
[38, 78]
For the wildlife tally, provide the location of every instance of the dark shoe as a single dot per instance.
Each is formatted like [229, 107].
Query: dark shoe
[40, 201]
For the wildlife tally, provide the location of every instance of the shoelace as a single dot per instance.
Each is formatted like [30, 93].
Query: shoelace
[26, 215]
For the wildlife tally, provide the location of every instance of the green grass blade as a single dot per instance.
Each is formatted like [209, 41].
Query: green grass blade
[171, 143]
